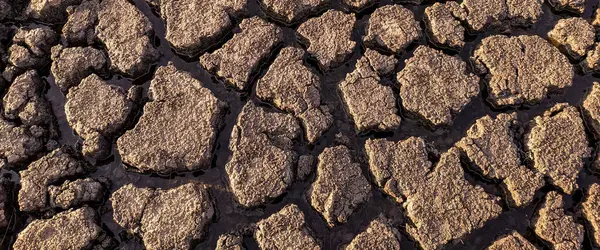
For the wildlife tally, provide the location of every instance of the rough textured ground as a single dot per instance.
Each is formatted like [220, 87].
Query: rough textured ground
[573, 35]
[164, 219]
[436, 86]
[285, 229]
[514, 72]
[512, 241]
[392, 28]
[239, 58]
[340, 186]
[371, 104]
[308, 124]
[555, 227]
[379, 235]
[182, 112]
[295, 88]
[328, 38]
[262, 165]
[492, 148]
[557, 144]
[592, 214]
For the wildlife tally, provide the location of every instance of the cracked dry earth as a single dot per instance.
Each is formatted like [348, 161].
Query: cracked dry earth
[299, 124]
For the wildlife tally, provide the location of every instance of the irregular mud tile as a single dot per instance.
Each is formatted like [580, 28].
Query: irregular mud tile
[306, 165]
[241, 56]
[380, 234]
[25, 101]
[78, 192]
[490, 146]
[285, 229]
[557, 144]
[96, 111]
[195, 25]
[443, 28]
[71, 65]
[399, 168]
[592, 59]
[128, 204]
[71, 229]
[382, 64]
[165, 219]
[230, 242]
[392, 27]
[328, 38]
[591, 211]
[262, 165]
[31, 48]
[340, 186]
[19, 144]
[483, 14]
[49, 11]
[291, 11]
[446, 206]
[574, 35]
[178, 128]
[436, 86]
[512, 241]
[591, 109]
[575, 6]
[81, 24]
[554, 226]
[371, 104]
[294, 88]
[521, 69]
[359, 5]
[125, 32]
[524, 12]
[59, 164]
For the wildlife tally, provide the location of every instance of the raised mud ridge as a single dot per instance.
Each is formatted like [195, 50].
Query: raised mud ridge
[299, 124]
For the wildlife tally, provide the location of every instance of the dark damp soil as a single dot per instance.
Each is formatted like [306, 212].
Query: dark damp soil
[232, 218]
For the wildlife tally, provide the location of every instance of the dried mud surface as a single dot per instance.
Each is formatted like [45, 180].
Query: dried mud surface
[259, 143]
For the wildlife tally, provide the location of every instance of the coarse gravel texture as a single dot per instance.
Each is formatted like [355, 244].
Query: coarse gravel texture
[158, 124]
